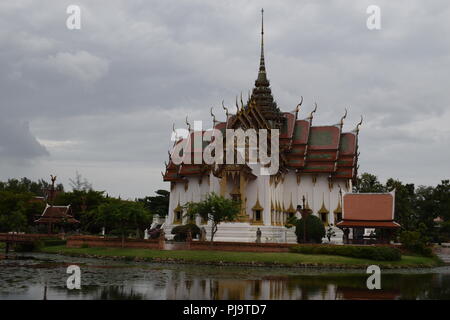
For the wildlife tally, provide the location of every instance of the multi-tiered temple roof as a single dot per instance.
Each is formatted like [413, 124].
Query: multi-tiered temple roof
[303, 147]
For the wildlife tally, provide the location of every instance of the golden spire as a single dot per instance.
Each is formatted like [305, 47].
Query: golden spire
[291, 207]
[323, 209]
[307, 203]
[339, 206]
[262, 66]
[262, 78]
[257, 205]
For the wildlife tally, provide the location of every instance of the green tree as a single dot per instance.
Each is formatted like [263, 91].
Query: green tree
[24, 185]
[441, 195]
[405, 199]
[367, 182]
[315, 230]
[122, 217]
[158, 204]
[84, 204]
[13, 211]
[214, 208]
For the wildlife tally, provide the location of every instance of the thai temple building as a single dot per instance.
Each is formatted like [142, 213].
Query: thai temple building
[316, 163]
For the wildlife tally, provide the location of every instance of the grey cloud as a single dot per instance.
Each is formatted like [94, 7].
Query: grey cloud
[106, 96]
[18, 143]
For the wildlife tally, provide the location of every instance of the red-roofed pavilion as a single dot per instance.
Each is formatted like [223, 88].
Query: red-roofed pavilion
[362, 211]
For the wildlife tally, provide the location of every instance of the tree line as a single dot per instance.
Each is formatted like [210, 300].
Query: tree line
[416, 208]
[95, 210]
[421, 209]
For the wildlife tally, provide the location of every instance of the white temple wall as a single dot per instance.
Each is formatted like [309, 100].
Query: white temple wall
[290, 190]
[261, 188]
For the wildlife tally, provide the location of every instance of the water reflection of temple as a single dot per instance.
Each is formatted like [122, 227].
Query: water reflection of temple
[180, 286]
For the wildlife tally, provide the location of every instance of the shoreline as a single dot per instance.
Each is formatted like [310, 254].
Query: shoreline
[242, 259]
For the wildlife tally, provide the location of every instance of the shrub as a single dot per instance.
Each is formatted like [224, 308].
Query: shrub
[85, 246]
[379, 253]
[54, 242]
[28, 246]
[181, 232]
[315, 229]
[413, 242]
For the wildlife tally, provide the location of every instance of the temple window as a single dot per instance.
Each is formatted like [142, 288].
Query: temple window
[178, 214]
[257, 212]
[338, 211]
[258, 215]
[323, 213]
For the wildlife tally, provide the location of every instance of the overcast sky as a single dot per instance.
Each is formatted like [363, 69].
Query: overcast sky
[102, 100]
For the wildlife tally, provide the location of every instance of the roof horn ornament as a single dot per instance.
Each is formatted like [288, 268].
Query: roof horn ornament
[226, 109]
[358, 125]
[242, 102]
[188, 124]
[237, 106]
[213, 117]
[312, 112]
[341, 123]
[175, 135]
[297, 108]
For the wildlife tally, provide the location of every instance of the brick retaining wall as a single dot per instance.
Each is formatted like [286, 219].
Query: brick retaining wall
[240, 246]
[95, 241]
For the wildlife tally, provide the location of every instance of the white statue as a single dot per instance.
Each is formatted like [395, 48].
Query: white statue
[103, 231]
[146, 234]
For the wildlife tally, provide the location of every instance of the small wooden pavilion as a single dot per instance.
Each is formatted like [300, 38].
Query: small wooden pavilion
[362, 211]
[55, 215]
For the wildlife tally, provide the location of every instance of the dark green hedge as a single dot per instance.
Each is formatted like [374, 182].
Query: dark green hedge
[380, 253]
[414, 243]
[54, 242]
[315, 230]
[28, 246]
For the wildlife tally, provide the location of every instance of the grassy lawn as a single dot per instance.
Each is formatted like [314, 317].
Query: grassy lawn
[288, 259]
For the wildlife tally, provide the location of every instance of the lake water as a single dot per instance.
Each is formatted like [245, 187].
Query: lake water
[42, 276]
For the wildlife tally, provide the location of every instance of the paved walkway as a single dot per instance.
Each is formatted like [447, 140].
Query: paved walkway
[443, 253]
